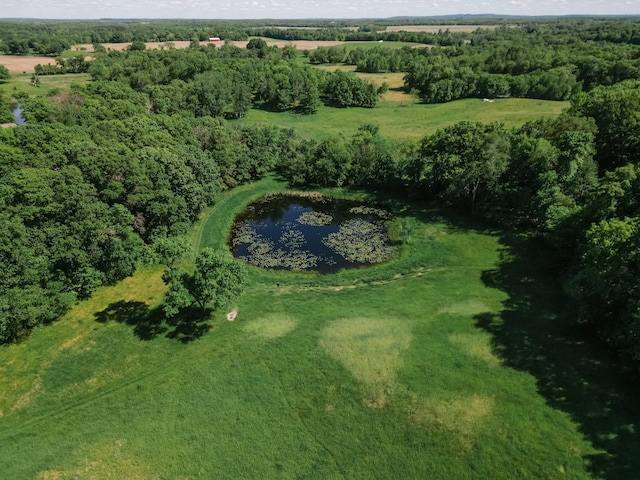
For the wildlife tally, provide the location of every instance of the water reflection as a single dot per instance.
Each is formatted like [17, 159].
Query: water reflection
[16, 110]
[290, 232]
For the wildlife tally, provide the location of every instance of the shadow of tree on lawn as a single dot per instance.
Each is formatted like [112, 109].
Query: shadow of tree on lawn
[148, 323]
[576, 374]
[189, 325]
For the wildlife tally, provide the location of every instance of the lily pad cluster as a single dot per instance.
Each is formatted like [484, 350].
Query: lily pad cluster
[361, 241]
[302, 233]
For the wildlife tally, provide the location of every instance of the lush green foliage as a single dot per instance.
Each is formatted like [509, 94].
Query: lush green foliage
[5, 112]
[545, 62]
[93, 179]
[71, 64]
[461, 357]
[4, 73]
[451, 361]
[226, 81]
[217, 280]
[343, 89]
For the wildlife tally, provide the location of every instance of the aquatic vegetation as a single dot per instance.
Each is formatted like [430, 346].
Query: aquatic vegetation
[293, 239]
[315, 219]
[311, 232]
[360, 241]
[265, 253]
[371, 211]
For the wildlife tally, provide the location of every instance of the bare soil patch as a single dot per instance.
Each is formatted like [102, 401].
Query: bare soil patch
[24, 64]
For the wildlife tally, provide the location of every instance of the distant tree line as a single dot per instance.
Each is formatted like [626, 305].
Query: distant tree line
[541, 61]
[53, 37]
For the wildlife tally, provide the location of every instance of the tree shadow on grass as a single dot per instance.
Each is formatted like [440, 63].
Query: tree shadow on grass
[575, 374]
[189, 325]
[149, 323]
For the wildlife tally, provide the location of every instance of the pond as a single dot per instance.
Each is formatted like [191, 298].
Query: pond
[16, 110]
[311, 232]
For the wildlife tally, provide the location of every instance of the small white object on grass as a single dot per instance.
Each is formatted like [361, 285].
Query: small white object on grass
[231, 316]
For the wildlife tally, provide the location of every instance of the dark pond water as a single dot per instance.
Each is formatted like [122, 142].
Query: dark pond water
[323, 234]
[16, 110]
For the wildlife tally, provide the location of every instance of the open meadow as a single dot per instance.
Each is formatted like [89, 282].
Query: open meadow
[22, 83]
[403, 117]
[451, 361]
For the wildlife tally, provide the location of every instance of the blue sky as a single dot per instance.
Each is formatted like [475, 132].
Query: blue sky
[223, 9]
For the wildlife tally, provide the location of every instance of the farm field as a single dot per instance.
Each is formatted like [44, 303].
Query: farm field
[451, 361]
[17, 64]
[408, 119]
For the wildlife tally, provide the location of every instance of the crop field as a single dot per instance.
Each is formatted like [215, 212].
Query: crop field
[401, 116]
[23, 64]
[450, 361]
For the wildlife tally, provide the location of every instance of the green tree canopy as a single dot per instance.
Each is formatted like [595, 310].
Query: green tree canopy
[217, 280]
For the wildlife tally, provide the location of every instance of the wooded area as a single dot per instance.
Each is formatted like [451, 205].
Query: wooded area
[103, 172]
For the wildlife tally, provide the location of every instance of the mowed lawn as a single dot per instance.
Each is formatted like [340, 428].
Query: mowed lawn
[449, 362]
[406, 118]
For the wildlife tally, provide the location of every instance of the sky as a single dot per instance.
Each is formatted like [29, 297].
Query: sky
[283, 9]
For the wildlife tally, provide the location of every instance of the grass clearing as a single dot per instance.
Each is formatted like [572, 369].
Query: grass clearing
[451, 361]
[406, 119]
[22, 83]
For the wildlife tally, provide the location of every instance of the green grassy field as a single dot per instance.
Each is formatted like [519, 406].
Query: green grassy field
[22, 83]
[406, 119]
[449, 362]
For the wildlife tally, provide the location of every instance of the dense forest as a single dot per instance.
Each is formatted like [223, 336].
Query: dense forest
[102, 173]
